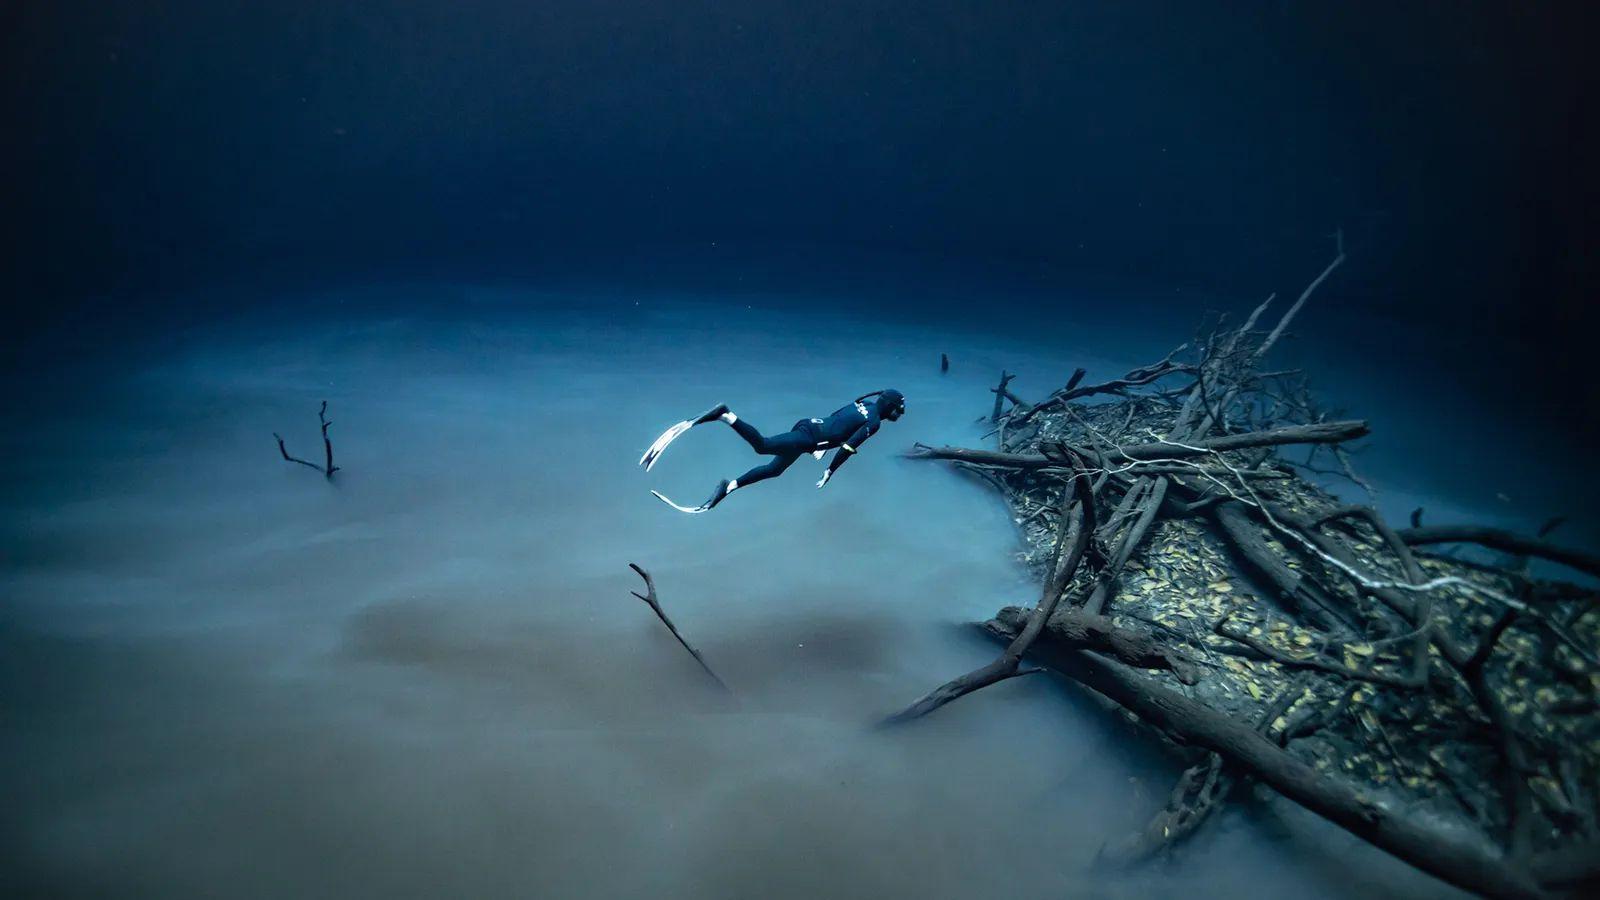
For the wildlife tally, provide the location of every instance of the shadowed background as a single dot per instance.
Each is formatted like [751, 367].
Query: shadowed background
[1208, 147]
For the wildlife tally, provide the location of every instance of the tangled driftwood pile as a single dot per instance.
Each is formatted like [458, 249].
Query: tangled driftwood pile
[1441, 709]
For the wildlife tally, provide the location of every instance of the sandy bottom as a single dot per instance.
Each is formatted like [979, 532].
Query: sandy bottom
[225, 676]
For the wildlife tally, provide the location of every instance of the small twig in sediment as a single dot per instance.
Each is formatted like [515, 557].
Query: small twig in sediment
[650, 597]
[328, 468]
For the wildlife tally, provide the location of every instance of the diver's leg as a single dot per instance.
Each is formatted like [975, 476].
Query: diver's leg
[720, 411]
[783, 448]
[751, 435]
[795, 442]
[770, 469]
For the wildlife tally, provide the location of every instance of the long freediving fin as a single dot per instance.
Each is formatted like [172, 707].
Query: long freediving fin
[648, 460]
[688, 509]
[724, 488]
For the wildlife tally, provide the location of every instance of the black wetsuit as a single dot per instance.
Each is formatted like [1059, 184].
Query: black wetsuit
[847, 428]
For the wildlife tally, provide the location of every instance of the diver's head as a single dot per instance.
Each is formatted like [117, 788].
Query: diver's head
[891, 404]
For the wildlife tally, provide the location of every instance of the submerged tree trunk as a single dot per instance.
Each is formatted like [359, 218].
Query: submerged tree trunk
[1435, 850]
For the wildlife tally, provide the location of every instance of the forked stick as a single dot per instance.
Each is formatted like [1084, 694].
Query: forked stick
[329, 468]
[650, 597]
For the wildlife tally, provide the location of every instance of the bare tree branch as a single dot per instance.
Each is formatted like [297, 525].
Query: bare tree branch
[1439, 850]
[1499, 539]
[1074, 532]
[649, 597]
[328, 468]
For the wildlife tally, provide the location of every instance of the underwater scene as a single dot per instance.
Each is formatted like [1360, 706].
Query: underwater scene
[766, 449]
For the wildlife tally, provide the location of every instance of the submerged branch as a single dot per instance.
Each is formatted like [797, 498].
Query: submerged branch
[328, 468]
[1053, 455]
[1439, 850]
[1075, 531]
[1498, 539]
[649, 597]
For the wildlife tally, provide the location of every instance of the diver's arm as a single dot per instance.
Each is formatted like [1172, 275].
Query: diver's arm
[845, 451]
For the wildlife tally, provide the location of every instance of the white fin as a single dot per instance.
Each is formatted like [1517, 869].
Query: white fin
[818, 454]
[688, 509]
[648, 460]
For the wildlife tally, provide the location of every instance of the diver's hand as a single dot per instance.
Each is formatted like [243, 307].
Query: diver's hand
[826, 474]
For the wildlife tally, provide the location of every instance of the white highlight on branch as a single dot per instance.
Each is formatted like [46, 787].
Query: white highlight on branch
[1366, 581]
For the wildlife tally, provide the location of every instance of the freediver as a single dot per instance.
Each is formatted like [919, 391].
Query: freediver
[846, 429]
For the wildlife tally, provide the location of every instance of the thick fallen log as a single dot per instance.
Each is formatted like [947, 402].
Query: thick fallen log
[1025, 461]
[1498, 539]
[1053, 456]
[1294, 593]
[1200, 790]
[1316, 433]
[1469, 865]
[1075, 628]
